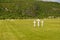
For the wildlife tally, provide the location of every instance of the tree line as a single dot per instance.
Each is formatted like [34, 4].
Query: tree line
[28, 9]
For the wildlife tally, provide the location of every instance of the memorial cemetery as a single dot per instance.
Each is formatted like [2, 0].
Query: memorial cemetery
[29, 20]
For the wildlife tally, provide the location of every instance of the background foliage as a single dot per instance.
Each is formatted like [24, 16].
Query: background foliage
[19, 9]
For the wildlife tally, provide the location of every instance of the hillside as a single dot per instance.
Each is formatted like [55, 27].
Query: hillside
[10, 9]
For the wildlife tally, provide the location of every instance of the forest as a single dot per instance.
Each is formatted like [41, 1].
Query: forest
[28, 9]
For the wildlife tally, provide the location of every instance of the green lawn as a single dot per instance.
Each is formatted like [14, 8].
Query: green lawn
[23, 29]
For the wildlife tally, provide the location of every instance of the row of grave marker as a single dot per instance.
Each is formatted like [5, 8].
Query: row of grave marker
[38, 23]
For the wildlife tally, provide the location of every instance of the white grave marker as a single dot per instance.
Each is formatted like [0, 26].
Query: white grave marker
[38, 22]
[34, 23]
[42, 23]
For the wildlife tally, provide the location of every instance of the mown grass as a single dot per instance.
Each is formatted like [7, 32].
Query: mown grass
[23, 29]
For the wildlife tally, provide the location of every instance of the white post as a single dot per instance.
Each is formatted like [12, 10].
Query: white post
[38, 22]
[42, 23]
[34, 23]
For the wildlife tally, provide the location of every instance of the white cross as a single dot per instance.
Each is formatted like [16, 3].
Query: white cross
[34, 23]
[42, 23]
[38, 22]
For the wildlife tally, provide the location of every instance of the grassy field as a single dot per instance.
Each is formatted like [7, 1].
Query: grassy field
[23, 29]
